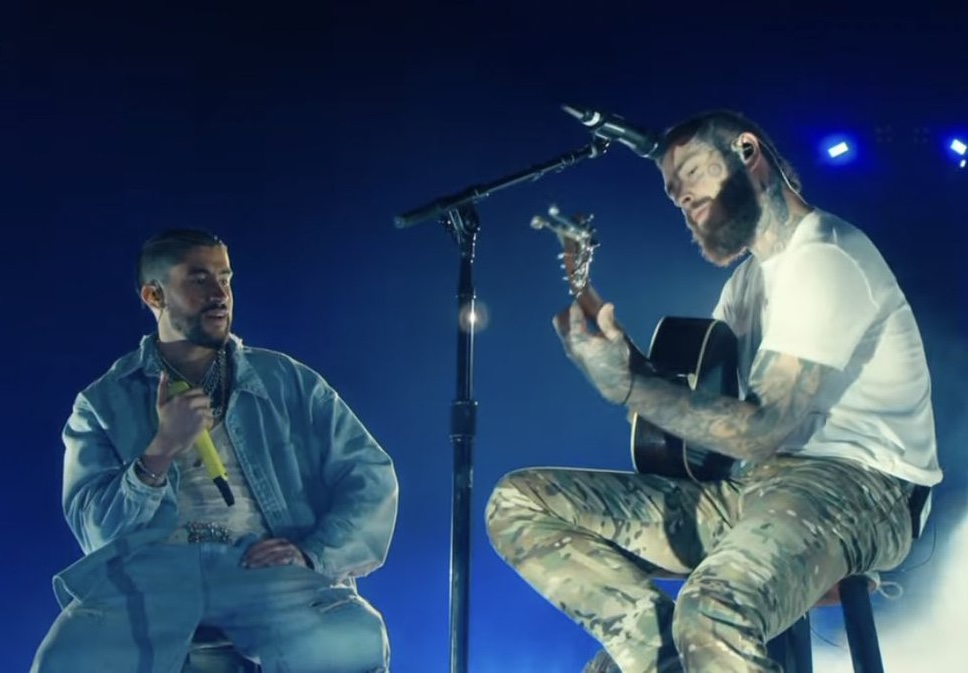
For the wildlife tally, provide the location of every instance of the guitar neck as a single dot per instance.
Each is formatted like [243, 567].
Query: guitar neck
[590, 302]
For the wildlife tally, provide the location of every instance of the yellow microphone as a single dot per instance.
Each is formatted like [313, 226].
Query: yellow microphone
[208, 453]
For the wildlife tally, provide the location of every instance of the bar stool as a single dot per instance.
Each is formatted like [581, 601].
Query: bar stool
[792, 648]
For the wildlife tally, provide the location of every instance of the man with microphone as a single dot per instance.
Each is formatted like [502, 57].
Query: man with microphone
[210, 483]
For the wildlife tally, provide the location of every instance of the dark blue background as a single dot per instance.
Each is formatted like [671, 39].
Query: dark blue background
[298, 132]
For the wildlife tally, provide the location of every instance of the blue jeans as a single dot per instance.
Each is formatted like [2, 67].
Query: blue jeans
[139, 612]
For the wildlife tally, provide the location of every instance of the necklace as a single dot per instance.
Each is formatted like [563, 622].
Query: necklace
[213, 383]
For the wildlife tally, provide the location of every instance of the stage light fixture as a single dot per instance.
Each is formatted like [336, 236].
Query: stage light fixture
[838, 150]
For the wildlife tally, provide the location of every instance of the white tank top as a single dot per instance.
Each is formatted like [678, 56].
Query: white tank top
[200, 503]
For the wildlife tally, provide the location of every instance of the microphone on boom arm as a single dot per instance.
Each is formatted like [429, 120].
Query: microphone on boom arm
[643, 142]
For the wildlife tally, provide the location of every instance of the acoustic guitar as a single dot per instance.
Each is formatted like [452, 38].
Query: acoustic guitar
[696, 352]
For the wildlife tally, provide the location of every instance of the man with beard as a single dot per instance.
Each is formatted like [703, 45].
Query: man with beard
[832, 434]
[272, 563]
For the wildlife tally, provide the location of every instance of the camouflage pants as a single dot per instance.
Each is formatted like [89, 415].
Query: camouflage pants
[759, 552]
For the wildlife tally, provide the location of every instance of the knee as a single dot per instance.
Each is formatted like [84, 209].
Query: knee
[507, 503]
[709, 606]
[691, 623]
[368, 648]
[351, 638]
[373, 651]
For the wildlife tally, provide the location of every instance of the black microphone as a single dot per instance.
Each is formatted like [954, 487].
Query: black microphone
[612, 127]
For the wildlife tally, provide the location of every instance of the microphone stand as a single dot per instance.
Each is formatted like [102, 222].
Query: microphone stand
[459, 218]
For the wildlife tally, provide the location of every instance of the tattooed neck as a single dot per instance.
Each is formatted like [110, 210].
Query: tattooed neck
[778, 221]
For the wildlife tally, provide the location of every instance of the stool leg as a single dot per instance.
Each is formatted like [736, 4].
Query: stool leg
[855, 601]
[792, 648]
[803, 646]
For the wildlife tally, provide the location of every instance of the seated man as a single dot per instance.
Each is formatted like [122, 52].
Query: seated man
[307, 504]
[832, 433]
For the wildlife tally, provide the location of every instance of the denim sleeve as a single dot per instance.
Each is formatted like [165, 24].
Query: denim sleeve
[353, 537]
[102, 498]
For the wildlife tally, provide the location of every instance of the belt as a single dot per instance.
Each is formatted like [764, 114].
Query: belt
[195, 532]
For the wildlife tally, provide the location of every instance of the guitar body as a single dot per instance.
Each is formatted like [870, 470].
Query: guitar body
[701, 354]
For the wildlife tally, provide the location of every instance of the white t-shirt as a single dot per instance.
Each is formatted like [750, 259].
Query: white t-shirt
[831, 298]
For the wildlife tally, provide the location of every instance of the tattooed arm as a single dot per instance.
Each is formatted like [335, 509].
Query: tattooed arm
[784, 385]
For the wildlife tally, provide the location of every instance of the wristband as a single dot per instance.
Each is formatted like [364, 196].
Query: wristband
[141, 467]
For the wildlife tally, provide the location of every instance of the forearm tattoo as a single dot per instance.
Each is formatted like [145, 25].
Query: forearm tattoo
[784, 387]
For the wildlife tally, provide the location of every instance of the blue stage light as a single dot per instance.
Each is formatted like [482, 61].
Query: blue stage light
[959, 147]
[837, 150]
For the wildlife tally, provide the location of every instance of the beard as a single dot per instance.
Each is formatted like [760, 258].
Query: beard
[195, 331]
[731, 219]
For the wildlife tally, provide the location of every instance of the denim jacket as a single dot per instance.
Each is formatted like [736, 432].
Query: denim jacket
[320, 479]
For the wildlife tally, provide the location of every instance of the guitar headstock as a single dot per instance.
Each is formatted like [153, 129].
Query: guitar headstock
[577, 238]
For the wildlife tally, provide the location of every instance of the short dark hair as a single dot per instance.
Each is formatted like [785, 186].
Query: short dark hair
[168, 248]
[720, 128]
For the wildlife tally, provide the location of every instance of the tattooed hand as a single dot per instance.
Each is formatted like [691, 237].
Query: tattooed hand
[603, 358]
